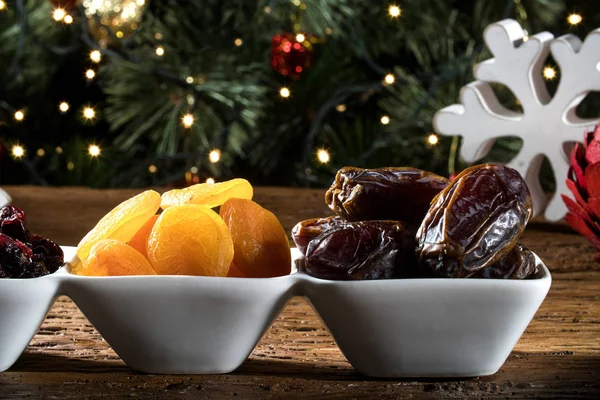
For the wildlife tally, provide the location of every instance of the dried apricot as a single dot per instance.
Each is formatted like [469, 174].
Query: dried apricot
[261, 246]
[139, 241]
[208, 194]
[122, 222]
[190, 240]
[111, 257]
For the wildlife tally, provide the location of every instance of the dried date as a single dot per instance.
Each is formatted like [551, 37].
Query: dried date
[400, 194]
[307, 230]
[362, 250]
[475, 222]
[519, 263]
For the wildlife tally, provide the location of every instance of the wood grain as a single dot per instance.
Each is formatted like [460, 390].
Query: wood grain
[558, 356]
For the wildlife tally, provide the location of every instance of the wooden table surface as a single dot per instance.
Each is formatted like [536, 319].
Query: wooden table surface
[557, 357]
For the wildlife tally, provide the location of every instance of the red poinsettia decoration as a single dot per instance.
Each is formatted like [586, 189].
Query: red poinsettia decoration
[584, 182]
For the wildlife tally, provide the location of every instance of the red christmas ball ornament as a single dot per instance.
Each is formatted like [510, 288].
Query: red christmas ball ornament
[292, 54]
[64, 4]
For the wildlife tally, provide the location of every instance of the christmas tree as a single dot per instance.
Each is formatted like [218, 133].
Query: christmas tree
[113, 93]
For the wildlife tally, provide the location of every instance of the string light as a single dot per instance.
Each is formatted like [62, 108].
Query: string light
[2, 5]
[70, 166]
[94, 150]
[18, 151]
[89, 113]
[187, 120]
[189, 79]
[238, 42]
[58, 150]
[300, 38]
[210, 181]
[549, 73]
[385, 120]
[158, 36]
[160, 51]
[214, 156]
[433, 139]
[284, 92]
[63, 107]
[19, 115]
[152, 169]
[267, 10]
[90, 74]
[574, 19]
[389, 79]
[194, 170]
[59, 14]
[68, 19]
[41, 152]
[323, 156]
[95, 56]
[394, 11]
[340, 108]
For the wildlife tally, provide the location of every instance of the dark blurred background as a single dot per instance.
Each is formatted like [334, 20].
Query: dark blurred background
[131, 93]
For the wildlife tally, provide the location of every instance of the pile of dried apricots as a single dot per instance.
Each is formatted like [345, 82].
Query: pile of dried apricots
[188, 237]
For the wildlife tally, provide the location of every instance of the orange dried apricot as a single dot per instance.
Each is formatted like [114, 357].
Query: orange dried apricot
[261, 246]
[111, 257]
[190, 240]
[122, 222]
[139, 241]
[208, 194]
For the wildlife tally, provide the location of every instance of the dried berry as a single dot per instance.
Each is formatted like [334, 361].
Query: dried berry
[361, 250]
[47, 252]
[307, 230]
[400, 194]
[475, 222]
[14, 257]
[519, 263]
[14, 223]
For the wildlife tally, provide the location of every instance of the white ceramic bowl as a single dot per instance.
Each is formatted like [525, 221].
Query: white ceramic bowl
[201, 325]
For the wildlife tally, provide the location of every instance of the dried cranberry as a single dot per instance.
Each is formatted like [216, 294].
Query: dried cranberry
[47, 252]
[14, 223]
[14, 257]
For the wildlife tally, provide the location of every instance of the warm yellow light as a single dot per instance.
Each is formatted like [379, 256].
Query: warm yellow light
[94, 150]
[41, 152]
[160, 51]
[214, 156]
[70, 165]
[238, 42]
[68, 19]
[300, 38]
[389, 79]
[152, 169]
[189, 79]
[59, 14]
[574, 19]
[323, 156]
[89, 113]
[194, 170]
[2, 5]
[119, 34]
[340, 107]
[187, 120]
[95, 56]
[210, 181]
[18, 151]
[90, 74]
[59, 150]
[19, 115]
[433, 139]
[394, 11]
[158, 36]
[63, 107]
[284, 92]
[549, 73]
[385, 120]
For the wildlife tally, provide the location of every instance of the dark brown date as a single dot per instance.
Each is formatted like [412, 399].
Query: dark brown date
[474, 222]
[519, 263]
[307, 230]
[400, 194]
[362, 250]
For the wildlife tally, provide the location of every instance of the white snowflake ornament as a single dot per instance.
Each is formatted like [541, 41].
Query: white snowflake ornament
[547, 125]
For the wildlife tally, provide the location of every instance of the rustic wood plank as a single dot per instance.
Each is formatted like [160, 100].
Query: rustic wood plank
[557, 357]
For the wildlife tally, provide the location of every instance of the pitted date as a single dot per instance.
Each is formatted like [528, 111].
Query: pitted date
[475, 222]
[400, 194]
[307, 230]
[362, 250]
[519, 263]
